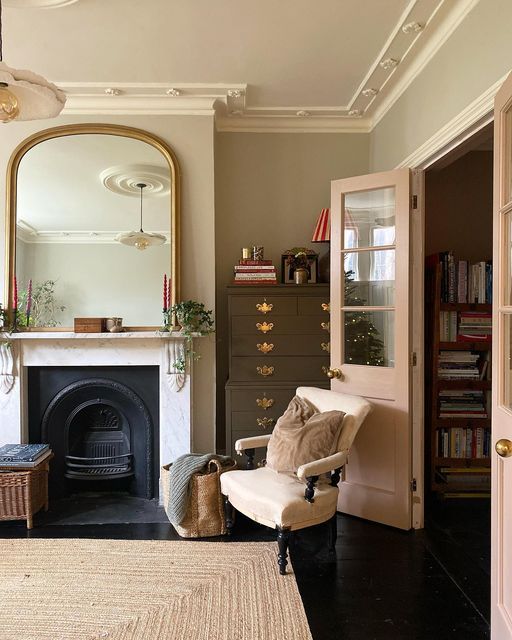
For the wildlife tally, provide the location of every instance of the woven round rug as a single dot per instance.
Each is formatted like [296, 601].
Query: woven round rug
[150, 589]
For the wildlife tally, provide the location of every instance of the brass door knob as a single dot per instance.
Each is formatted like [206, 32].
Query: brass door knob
[334, 373]
[504, 448]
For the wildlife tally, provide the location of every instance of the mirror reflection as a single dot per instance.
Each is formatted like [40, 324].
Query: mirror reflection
[93, 230]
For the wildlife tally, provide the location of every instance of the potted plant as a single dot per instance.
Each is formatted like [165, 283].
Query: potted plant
[194, 320]
[298, 261]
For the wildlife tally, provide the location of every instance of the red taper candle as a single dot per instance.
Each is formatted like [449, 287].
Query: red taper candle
[29, 298]
[169, 293]
[165, 293]
[15, 295]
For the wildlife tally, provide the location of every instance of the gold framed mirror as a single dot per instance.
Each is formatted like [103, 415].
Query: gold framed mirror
[78, 198]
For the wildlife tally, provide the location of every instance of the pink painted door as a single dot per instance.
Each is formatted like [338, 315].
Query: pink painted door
[370, 344]
[501, 495]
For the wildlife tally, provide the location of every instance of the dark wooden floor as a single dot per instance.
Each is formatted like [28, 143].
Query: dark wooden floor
[383, 584]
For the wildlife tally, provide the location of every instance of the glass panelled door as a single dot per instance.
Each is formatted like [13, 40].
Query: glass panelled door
[501, 508]
[370, 338]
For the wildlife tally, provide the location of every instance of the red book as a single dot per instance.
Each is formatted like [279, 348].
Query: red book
[254, 269]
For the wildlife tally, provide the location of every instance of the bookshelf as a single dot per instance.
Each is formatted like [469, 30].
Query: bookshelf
[458, 380]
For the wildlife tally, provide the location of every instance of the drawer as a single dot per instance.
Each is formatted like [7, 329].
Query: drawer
[259, 454]
[264, 306]
[312, 306]
[257, 422]
[267, 326]
[280, 345]
[275, 400]
[278, 369]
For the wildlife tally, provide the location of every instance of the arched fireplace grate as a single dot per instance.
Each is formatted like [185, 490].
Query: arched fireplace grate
[98, 442]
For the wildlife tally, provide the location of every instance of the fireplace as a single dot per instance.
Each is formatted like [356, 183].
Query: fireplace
[102, 425]
[36, 366]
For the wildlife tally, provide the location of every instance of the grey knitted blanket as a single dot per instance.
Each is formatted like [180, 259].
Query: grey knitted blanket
[180, 473]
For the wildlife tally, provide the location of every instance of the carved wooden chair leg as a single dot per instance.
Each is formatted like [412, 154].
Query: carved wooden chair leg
[283, 539]
[229, 514]
[333, 534]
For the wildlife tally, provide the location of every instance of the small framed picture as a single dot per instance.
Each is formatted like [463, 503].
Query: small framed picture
[288, 271]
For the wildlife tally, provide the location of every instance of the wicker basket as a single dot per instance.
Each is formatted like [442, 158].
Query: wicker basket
[205, 512]
[23, 493]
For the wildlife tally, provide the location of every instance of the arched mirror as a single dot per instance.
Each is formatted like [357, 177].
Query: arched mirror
[92, 226]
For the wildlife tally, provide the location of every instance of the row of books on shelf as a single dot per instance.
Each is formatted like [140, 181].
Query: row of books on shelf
[463, 282]
[465, 403]
[255, 272]
[465, 326]
[460, 479]
[464, 365]
[460, 442]
[23, 455]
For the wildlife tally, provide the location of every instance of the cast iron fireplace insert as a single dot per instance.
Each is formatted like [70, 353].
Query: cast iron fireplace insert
[102, 425]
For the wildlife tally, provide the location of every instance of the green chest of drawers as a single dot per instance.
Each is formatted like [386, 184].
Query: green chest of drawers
[278, 340]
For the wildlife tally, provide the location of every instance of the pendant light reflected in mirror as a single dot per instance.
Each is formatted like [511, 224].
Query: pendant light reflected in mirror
[141, 240]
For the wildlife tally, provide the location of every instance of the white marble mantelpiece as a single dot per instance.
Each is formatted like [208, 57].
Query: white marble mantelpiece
[19, 351]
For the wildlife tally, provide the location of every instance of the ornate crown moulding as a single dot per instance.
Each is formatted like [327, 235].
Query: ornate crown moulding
[412, 27]
[70, 236]
[156, 98]
[389, 63]
[37, 4]
[123, 179]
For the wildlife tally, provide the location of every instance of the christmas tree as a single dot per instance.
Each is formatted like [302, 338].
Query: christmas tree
[362, 342]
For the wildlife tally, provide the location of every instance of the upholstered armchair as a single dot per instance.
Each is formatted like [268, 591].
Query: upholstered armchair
[288, 501]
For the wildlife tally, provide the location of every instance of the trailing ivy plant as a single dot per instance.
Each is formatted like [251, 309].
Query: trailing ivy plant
[194, 319]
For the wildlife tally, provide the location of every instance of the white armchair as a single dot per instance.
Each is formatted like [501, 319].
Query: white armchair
[288, 502]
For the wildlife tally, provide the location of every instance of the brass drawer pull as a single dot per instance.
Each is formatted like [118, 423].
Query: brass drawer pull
[326, 326]
[326, 346]
[265, 422]
[326, 306]
[265, 371]
[264, 327]
[263, 307]
[265, 347]
[265, 403]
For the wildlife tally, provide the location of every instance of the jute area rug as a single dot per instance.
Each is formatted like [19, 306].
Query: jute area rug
[150, 589]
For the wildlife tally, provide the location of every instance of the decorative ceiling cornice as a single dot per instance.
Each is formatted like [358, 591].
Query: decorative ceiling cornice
[152, 98]
[30, 235]
[422, 29]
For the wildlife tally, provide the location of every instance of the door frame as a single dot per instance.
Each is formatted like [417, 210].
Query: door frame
[443, 145]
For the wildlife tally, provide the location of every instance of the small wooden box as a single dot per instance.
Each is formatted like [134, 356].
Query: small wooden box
[90, 325]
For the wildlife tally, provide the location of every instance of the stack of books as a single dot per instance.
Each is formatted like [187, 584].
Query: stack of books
[260, 272]
[23, 455]
[459, 365]
[463, 282]
[462, 442]
[467, 403]
[475, 327]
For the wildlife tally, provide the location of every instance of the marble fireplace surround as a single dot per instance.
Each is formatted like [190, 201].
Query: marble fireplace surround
[19, 351]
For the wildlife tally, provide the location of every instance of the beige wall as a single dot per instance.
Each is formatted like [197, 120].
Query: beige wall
[191, 137]
[270, 188]
[458, 208]
[476, 56]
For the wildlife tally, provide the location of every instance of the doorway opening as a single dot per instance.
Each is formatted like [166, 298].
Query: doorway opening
[458, 375]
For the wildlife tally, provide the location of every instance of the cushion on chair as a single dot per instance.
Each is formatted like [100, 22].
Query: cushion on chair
[297, 441]
[276, 499]
[356, 409]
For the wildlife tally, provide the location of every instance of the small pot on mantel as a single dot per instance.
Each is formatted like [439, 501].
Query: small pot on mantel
[301, 275]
